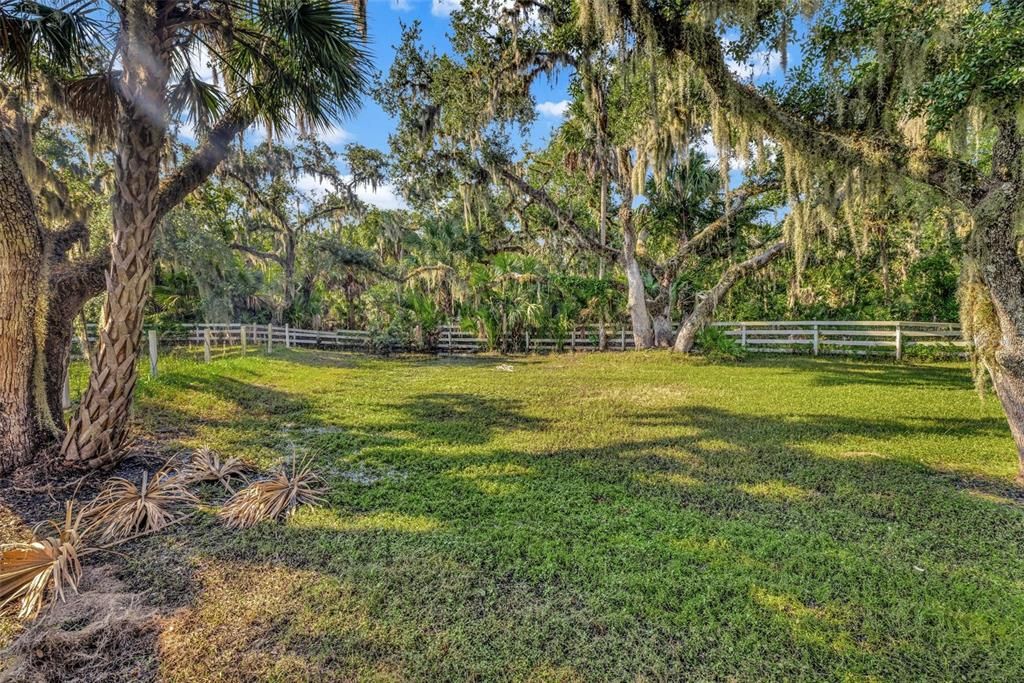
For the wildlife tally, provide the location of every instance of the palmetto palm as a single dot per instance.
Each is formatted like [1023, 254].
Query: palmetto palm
[272, 63]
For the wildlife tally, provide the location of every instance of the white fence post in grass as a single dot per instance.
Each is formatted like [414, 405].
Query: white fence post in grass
[743, 336]
[448, 327]
[152, 353]
[527, 341]
[815, 339]
[65, 394]
[270, 337]
[287, 338]
[899, 341]
[241, 338]
[572, 339]
[206, 344]
[622, 339]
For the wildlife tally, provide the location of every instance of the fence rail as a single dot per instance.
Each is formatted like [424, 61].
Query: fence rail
[815, 337]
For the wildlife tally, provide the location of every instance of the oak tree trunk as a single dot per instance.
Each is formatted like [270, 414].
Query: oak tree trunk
[704, 310]
[636, 292]
[994, 247]
[25, 422]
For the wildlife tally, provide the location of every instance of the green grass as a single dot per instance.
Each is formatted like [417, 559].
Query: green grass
[597, 517]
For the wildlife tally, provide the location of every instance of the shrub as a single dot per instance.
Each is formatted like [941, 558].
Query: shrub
[716, 345]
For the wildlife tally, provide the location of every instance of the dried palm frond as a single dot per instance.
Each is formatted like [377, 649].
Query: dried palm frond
[123, 509]
[279, 495]
[27, 570]
[206, 465]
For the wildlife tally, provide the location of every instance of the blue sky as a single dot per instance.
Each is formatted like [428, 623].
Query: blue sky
[371, 126]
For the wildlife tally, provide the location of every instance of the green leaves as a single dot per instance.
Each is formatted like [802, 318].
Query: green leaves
[298, 62]
[35, 34]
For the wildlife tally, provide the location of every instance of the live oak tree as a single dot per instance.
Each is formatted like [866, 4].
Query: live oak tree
[625, 124]
[43, 219]
[890, 91]
[275, 63]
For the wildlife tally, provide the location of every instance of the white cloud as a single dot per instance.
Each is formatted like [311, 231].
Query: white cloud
[384, 197]
[401, 5]
[553, 109]
[313, 184]
[335, 135]
[761, 63]
[444, 8]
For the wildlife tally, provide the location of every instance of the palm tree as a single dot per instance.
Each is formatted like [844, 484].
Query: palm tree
[275, 63]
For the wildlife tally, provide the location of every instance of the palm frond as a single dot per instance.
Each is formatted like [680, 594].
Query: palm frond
[206, 465]
[124, 508]
[278, 496]
[93, 98]
[298, 61]
[58, 36]
[29, 570]
[200, 102]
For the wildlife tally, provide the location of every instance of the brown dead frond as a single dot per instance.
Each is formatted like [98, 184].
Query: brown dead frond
[29, 570]
[123, 509]
[275, 497]
[206, 465]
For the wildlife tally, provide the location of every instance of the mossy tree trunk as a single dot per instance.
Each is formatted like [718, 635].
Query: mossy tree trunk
[25, 422]
[994, 248]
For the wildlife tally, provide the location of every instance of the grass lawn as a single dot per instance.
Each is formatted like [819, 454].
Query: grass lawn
[595, 517]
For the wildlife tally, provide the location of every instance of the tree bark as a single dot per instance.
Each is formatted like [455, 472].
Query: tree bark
[636, 292]
[25, 421]
[994, 247]
[99, 428]
[705, 308]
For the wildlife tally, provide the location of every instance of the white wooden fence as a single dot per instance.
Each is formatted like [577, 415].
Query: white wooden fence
[778, 336]
[842, 336]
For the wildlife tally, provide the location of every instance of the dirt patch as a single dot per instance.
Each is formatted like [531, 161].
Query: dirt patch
[102, 634]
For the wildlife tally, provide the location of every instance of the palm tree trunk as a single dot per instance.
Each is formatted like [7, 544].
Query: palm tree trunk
[25, 421]
[99, 428]
[98, 431]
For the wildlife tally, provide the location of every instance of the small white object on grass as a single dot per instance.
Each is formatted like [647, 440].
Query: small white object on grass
[504, 367]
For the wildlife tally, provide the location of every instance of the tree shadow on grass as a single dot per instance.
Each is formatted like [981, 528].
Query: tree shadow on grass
[463, 418]
[832, 373]
[711, 545]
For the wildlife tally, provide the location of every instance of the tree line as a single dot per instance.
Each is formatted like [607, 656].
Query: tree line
[880, 177]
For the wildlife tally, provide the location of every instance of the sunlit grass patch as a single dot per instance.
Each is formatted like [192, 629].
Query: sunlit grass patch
[596, 517]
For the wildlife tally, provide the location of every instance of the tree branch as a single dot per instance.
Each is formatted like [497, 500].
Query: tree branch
[204, 160]
[705, 308]
[950, 176]
[564, 218]
[265, 255]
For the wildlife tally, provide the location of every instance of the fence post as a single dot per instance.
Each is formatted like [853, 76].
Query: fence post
[152, 353]
[241, 336]
[270, 337]
[527, 341]
[449, 330]
[572, 339]
[287, 338]
[743, 335]
[622, 339]
[206, 344]
[899, 341]
[815, 339]
[65, 394]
